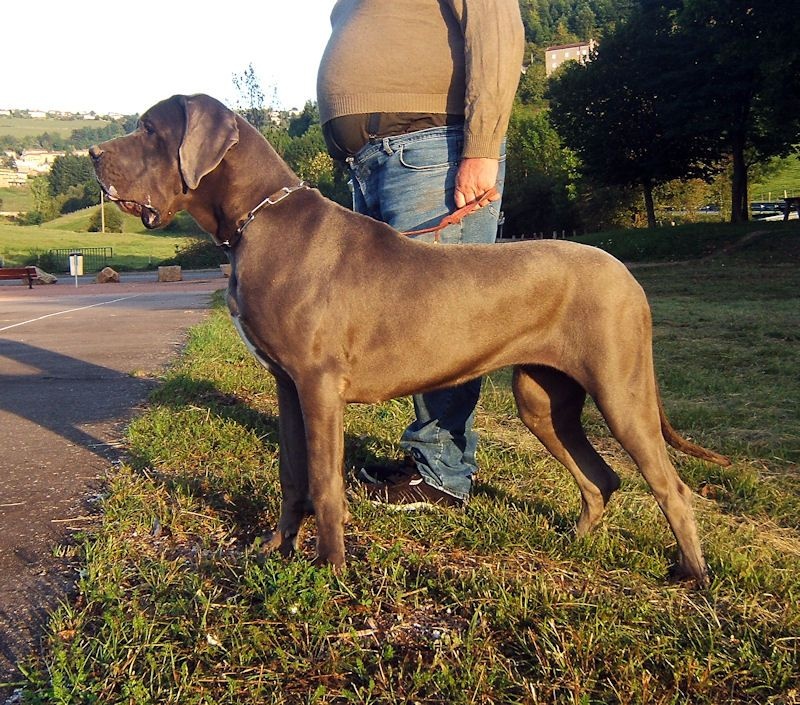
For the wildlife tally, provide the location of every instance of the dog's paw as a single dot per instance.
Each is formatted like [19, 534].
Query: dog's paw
[286, 544]
[682, 574]
[335, 560]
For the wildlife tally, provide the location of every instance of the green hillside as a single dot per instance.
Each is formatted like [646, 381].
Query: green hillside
[785, 181]
[135, 248]
[18, 127]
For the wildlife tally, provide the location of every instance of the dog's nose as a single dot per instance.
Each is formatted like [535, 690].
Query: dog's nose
[95, 152]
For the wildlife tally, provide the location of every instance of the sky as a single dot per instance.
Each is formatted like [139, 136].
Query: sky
[123, 57]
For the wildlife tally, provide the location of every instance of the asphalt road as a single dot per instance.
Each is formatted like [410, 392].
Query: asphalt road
[75, 363]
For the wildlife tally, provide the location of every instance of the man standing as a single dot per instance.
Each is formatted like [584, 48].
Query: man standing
[415, 95]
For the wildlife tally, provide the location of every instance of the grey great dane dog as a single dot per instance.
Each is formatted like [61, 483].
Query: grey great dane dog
[322, 296]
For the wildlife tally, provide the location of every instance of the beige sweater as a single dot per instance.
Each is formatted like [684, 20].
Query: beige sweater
[461, 57]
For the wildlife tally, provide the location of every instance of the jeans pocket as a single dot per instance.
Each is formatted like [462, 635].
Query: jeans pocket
[426, 155]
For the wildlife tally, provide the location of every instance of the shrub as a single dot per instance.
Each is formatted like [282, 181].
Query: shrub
[113, 220]
[45, 261]
[199, 254]
[183, 224]
[34, 217]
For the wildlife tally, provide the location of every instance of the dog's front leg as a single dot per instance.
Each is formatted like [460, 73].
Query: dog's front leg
[323, 412]
[293, 467]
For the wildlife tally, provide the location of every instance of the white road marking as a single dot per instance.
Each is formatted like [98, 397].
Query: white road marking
[71, 310]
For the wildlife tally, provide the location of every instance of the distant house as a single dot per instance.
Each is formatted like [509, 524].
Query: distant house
[9, 177]
[36, 161]
[37, 114]
[557, 55]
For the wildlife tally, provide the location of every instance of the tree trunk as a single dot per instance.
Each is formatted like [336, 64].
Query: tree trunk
[649, 205]
[740, 206]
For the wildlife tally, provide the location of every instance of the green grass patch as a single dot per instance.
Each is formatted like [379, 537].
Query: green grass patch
[784, 180]
[19, 127]
[771, 242]
[498, 603]
[15, 199]
[134, 248]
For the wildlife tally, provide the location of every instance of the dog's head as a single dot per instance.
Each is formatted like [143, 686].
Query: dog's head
[152, 171]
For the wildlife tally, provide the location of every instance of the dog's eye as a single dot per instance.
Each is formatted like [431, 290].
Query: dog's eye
[147, 126]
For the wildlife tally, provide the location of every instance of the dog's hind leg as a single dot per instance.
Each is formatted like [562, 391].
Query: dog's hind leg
[632, 415]
[550, 405]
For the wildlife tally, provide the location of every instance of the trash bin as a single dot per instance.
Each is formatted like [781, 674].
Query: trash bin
[76, 264]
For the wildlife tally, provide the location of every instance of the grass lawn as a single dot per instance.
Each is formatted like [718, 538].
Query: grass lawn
[15, 200]
[785, 179]
[134, 248]
[33, 127]
[499, 603]
[768, 242]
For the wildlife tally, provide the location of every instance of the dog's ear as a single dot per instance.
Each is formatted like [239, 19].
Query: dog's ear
[210, 131]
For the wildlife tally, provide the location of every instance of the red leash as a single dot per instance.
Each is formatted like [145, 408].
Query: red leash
[455, 217]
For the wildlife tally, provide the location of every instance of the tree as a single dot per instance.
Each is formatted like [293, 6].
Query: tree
[751, 59]
[44, 205]
[584, 22]
[68, 171]
[47, 141]
[305, 147]
[540, 174]
[308, 156]
[251, 98]
[533, 82]
[553, 21]
[85, 137]
[622, 112]
[81, 196]
[301, 123]
[129, 123]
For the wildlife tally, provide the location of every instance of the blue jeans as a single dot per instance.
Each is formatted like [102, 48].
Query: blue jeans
[408, 181]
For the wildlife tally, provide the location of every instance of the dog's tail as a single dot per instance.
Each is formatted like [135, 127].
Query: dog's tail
[678, 442]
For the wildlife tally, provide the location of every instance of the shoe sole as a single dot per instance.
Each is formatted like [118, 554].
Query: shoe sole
[368, 479]
[409, 507]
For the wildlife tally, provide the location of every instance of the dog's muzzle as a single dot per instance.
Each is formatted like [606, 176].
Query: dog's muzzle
[150, 216]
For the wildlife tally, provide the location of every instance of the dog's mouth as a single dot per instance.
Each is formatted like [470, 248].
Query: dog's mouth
[150, 216]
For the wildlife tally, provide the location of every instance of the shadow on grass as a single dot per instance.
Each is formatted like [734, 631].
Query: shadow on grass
[248, 502]
[560, 522]
[244, 506]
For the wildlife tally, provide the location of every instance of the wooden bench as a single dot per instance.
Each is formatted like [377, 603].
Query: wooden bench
[23, 273]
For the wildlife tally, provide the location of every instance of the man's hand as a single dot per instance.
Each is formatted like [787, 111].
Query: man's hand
[474, 178]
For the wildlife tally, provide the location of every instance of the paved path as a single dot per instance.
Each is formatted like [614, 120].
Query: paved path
[74, 365]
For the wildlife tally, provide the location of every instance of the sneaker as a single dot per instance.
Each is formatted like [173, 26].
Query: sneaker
[390, 473]
[410, 493]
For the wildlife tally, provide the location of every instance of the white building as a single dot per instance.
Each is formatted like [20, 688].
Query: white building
[557, 55]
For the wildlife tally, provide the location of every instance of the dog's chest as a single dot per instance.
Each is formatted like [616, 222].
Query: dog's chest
[254, 351]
